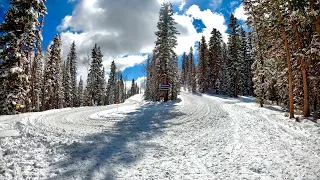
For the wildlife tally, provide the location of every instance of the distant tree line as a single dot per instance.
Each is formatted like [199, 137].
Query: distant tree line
[33, 80]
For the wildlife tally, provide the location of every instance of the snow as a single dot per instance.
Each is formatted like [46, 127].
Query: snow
[196, 137]
[16, 69]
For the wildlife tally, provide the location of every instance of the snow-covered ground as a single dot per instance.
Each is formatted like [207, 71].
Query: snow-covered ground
[196, 137]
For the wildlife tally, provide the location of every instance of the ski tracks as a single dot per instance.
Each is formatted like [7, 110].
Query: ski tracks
[200, 137]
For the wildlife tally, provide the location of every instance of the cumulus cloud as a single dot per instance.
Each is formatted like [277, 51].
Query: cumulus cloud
[216, 4]
[125, 29]
[239, 13]
[183, 3]
[188, 33]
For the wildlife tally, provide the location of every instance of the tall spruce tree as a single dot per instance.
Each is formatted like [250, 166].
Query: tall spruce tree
[233, 57]
[203, 66]
[72, 59]
[192, 72]
[215, 58]
[37, 70]
[164, 57]
[53, 95]
[184, 71]
[67, 87]
[80, 93]
[17, 41]
[242, 60]
[95, 77]
[112, 84]
[121, 89]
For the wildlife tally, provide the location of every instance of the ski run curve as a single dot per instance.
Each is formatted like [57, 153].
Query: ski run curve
[196, 137]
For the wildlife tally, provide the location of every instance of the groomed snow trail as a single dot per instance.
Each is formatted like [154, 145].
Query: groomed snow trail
[196, 137]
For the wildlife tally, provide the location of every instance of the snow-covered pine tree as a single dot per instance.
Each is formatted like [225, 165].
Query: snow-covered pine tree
[248, 71]
[173, 73]
[17, 41]
[80, 93]
[72, 58]
[255, 20]
[112, 84]
[121, 89]
[117, 90]
[94, 76]
[215, 55]
[53, 94]
[233, 57]
[184, 71]
[191, 72]
[37, 70]
[102, 88]
[203, 66]
[133, 88]
[223, 85]
[164, 57]
[242, 61]
[137, 89]
[67, 87]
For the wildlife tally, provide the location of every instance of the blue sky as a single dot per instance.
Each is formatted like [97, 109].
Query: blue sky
[107, 22]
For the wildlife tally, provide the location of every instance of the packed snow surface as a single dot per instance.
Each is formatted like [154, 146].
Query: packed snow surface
[196, 137]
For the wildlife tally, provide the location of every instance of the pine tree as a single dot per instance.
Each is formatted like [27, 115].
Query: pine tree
[192, 72]
[248, 71]
[233, 59]
[121, 90]
[133, 90]
[112, 85]
[16, 43]
[203, 67]
[95, 77]
[72, 59]
[67, 87]
[243, 55]
[215, 53]
[80, 93]
[184, 71]
[102, 88]
[53, 92]
[37, 70]
[223, 85]
[164, 58]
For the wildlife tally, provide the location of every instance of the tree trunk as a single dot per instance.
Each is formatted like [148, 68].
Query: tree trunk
[306, 109]
[317, 20]
[236, 84]
[284, 35]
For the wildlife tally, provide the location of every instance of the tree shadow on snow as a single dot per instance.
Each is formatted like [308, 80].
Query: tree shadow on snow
[97, 156]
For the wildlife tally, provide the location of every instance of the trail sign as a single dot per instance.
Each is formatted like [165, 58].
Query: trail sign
[165, 87]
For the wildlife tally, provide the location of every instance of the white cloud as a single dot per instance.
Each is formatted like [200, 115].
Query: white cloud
[188, 33]
[129, 61]
[129, 31]
[233, 3]
[239, 13]
[183, 3]
[216, 4]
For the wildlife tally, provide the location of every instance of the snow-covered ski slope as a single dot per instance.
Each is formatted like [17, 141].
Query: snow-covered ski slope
[197, 137]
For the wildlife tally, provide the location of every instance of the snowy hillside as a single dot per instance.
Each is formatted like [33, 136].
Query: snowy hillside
[195, 137]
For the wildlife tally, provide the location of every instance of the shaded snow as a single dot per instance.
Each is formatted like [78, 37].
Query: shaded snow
[195, 137]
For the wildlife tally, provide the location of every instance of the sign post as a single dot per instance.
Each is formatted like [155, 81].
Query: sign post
[117, 103]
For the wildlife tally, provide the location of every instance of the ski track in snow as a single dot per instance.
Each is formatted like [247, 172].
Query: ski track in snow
[196, 137]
